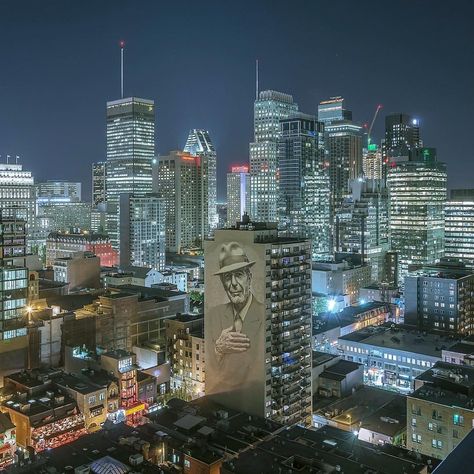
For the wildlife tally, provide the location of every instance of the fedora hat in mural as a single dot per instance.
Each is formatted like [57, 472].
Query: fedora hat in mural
[231, 258]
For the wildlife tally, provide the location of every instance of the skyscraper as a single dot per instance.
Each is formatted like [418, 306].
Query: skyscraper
[50, 190]
[343, 142]
[417, 196]
[179, 184]
[362, 224]
[17, 191]
[258, 322]
[304, 182]
[142, 231]
[402, 134]
[99, 176]
[199, 144]
[459, 226]
[333, 110]
[238, 193]
[130, 153]
[269, 109]
[372, 162]
[13, 274]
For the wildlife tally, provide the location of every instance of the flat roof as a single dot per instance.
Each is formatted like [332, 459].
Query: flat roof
[390, 419]
[389, 336]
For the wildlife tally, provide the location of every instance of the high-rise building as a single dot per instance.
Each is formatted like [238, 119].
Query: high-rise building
[99, 176]
[269, 109]
[343, 143]
[199, 144]
[333, 110]
[362, 223]
[56, 190]
[179, 184]
[372, 162]
[142, 231]
[440, 297]
[13, 275]
[130, 154]
[303, 202]
[238, 193]
[459, 226]
[402, 134]
[257, 322]
[417, 196]
[17, 191]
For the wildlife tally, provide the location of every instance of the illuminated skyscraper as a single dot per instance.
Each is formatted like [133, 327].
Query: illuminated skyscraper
[372, 162]
[199, 144]
[130, 153]
[343, 143]
[17, 191]
[179, 184]
[362, 224]
[142, 231]
[402, 134]
[238, 194]
[417, 196]
[459, 226]
[304, 182]
[98, 183]
[269, 109]
[333, 110]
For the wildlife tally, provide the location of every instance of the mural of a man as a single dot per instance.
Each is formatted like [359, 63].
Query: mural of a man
[236, 350]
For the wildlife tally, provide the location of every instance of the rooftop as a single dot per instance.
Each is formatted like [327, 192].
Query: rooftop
[447, 384]
[390, 336]
[390, 419]
[328, 449]
[354, 408]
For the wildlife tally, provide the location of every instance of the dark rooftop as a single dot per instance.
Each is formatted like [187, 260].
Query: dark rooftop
[390, 419]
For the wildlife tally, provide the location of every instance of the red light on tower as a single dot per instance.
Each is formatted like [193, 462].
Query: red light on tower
[122, 44]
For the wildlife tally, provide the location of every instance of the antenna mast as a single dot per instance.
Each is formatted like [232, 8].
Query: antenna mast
[122, 46]
[256, 79]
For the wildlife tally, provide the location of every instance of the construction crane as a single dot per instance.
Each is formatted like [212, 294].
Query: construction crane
[372, 123]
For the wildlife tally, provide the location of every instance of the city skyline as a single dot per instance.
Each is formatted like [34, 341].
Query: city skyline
[217, 93]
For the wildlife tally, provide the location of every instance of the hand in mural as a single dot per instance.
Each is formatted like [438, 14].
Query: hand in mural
[231, 342]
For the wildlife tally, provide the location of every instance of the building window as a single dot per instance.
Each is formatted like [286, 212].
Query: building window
[91, 399]
[458, 420]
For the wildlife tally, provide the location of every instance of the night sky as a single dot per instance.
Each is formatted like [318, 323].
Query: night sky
[60, 63]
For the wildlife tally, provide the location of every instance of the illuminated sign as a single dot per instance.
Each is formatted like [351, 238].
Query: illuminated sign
[135, 409]
[240, 169]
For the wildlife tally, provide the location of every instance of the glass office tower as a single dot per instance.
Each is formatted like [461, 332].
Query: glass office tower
[130, 154]
[417, 196]
[269, 109]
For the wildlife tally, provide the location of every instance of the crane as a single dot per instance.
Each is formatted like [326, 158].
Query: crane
[372, 123]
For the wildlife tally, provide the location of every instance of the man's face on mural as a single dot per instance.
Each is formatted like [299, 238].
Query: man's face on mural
[237, 285]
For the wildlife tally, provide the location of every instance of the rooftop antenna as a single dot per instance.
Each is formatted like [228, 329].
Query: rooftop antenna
[16, 159]
[122, 46]
[8, 158]
[256, 79]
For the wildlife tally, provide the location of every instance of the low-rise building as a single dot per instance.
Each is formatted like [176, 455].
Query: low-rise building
[327, 450]
[66, 245]
[329, 326]
[185, 347]
[393, 356]
[91, 398]
[80, 271]
[7, 441]
[340, 278]
[349, 412]
[441, 409]
[44, 416]
[387, 425]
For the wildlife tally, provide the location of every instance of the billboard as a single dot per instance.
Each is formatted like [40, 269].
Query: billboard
[234, 321]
